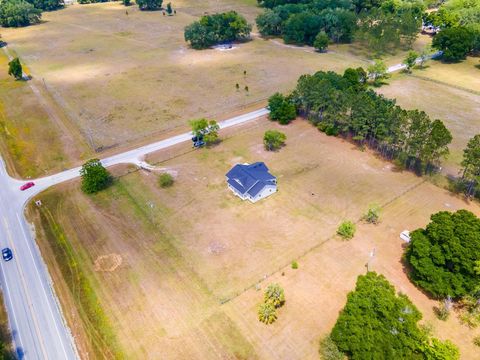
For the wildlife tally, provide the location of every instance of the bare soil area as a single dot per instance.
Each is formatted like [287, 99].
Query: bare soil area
[193, 254]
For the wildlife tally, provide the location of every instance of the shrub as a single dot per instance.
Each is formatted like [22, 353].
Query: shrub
[94, 177]
[440, 350]
[329, 350]
[217, 28]
[442, 311]
[15, 69]
[321, 41]
[275, 295]
[346, 230]
[149, 4]
[331, 130]
[476, 340]
[274, 140]
[294, 265]
[281, 109]
[16, 13]
[165, 180]
[373, 214]
[455, 43]
[47, 5]
[267, 313]
[410, 60]
[443, 255]
[470, 311]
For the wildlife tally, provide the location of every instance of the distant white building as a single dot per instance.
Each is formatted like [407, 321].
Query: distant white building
[251, 182]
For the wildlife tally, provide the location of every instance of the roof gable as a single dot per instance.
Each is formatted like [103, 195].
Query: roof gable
[250, 178]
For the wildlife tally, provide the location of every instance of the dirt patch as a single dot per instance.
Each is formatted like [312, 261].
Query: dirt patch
[108, 263]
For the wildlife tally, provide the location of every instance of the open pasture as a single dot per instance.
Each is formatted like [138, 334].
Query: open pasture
[125, 76]
[175, 269]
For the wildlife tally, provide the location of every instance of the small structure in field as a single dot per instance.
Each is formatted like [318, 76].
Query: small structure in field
[405, 236]
[251, 181]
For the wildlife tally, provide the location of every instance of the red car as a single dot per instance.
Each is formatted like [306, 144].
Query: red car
[26, 186]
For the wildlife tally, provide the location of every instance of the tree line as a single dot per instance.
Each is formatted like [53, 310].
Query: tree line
[343, 105]
[217, 29]
[18, 13]
[380, 24]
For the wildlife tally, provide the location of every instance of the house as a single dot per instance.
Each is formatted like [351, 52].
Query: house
[251, 181]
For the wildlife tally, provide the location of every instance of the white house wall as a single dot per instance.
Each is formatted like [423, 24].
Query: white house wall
[267, 191]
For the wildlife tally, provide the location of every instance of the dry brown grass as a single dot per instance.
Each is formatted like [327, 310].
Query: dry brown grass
[124, 78]
[30, 142]
[188, 249]
[464, 74]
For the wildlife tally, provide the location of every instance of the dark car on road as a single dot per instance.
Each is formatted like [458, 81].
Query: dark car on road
[7, 254]
[26, 186]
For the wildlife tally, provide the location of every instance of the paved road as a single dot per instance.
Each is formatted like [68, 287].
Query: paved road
[38, 327]
[35, 320]
[399, 67]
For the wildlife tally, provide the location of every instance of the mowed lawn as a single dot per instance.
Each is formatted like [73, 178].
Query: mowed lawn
[175, 269]
[128, 78]
[457, 108]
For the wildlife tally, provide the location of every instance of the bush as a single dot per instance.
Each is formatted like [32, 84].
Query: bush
[442, 311]
[321, 41]
[281, 109]
[269, 23]
[346, 230]
[165, 180]
[94, 177]
[455, 43]
[47, 5]
[329, 350]
[267, 313]
[16, 13]
[274, 295]
[440, 350]
[15, 69]
[274, 140]
[373, 214]
[476, 340]
[443, 255]
[294, 265]
[470, 311]
[149, 4]
[331, 130]
[217, 28]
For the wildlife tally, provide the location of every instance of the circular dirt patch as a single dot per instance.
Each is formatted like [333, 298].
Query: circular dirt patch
[108, 263]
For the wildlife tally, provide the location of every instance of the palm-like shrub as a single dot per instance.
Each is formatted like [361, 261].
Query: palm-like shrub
[274, 295]
[267, 313]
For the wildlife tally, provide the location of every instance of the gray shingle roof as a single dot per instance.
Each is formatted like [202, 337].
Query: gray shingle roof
[250, 179]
